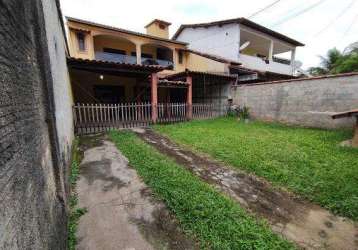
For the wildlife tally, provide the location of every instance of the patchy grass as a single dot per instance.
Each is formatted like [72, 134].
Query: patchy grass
[75, 212]
[306, 161]
[213, 219]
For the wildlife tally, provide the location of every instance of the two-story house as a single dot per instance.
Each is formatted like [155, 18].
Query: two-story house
[254, 46]
[110, 65]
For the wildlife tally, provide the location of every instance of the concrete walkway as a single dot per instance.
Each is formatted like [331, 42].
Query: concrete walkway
[300, 221]
[122, 212]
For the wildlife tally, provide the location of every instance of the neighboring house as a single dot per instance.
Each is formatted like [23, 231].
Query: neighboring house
[242, 40]
[110, 65]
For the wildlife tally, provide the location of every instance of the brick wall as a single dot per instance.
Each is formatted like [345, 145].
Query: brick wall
[33, 158]
[301, 101]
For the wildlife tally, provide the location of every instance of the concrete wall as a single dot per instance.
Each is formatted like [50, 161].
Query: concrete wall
[302, 102]
[35, 126]
[223, 41]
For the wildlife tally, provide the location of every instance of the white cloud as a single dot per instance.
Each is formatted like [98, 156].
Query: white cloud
[135, 14]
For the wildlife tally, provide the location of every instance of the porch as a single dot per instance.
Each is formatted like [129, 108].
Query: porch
[261, 53]
[117, 95]
[123, 50]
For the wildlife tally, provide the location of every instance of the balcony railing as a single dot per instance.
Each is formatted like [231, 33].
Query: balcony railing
[112, 57]
[150, 61]
[258, 63]
[281, 60]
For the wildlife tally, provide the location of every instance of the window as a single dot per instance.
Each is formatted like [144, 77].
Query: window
[143, 55]
[81, 41]
[162, 26]
[114, 51]
[180, 57]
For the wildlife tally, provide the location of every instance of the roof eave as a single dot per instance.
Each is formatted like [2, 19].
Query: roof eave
[103, 26]
[243, 21]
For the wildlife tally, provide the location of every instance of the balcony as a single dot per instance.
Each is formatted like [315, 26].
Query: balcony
[261, 64]
[112, 57]
[118, 58]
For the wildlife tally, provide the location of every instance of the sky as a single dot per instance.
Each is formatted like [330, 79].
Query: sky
[319, 24]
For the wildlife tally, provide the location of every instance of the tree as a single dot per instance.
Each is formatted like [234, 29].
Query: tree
[336, 62]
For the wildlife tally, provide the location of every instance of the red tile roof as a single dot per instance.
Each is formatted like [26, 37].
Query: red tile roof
[115, 65]
[158, 21]
[200, 73]
[168, 82]
[72, 19]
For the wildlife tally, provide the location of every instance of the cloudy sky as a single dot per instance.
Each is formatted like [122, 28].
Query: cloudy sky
[320, 24]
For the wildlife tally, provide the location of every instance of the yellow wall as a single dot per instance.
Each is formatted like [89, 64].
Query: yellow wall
[101, 42]
[73, 45]
[155, 30]
[200, 63]
[97, 38]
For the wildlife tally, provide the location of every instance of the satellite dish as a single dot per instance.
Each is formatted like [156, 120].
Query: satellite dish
[244, 45]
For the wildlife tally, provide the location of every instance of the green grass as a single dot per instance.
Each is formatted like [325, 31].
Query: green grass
[75, 212]
[214, 220]
[308, 162]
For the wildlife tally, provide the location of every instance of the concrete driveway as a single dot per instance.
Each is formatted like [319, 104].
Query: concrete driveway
[122, 212]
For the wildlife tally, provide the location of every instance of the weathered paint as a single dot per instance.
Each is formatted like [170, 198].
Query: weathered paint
[301, 102]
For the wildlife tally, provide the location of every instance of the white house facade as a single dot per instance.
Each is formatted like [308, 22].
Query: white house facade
[254, 46]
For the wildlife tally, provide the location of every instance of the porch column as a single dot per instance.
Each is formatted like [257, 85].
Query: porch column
[189, 97]
[138, 48]
[293, 55]
[271, 51]
[154, 95]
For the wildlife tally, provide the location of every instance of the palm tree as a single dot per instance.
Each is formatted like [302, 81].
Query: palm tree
[329, 63]
[336, 62]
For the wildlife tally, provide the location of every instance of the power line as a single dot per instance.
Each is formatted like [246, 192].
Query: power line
[351, 25]
[299, 13]
[337, 17]
[264, 9]
[254, 14]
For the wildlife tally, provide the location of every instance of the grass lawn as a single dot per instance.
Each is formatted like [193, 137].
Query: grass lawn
[306, 161]
[214, 220]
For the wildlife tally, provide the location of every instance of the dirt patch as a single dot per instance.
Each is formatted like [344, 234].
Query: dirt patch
[122, 211]
[163, 232]
[90, 141]
[300, 221]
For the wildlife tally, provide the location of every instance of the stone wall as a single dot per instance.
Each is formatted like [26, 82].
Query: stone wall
[35, 138]
[305, 102]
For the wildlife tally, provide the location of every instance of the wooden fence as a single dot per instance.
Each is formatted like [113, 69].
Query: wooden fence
[208, 110]
[95, 118]
[172, 112]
